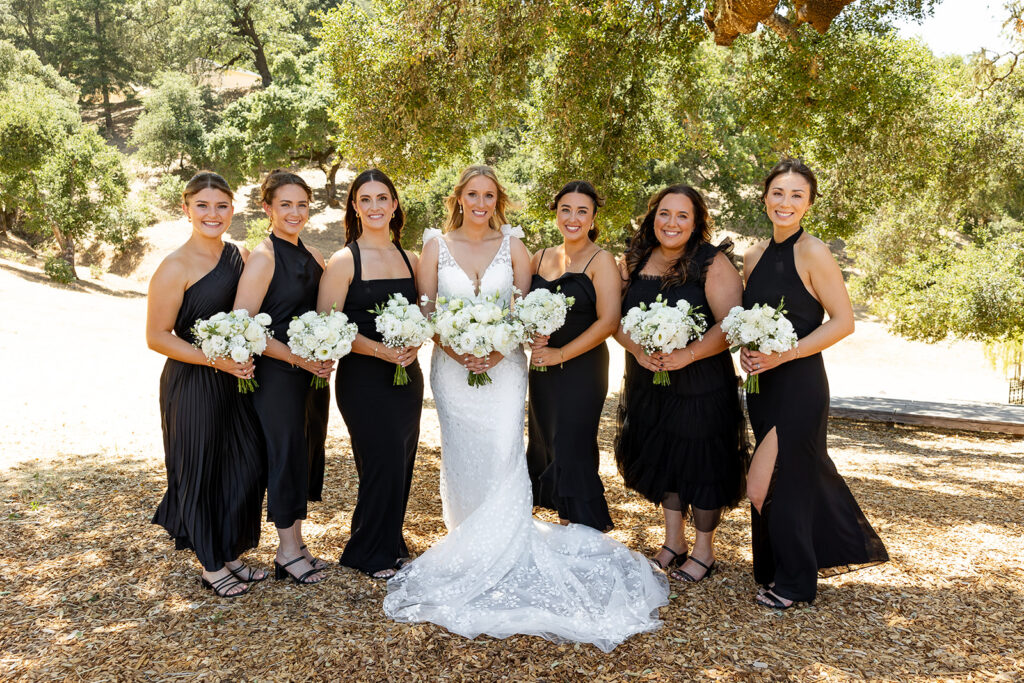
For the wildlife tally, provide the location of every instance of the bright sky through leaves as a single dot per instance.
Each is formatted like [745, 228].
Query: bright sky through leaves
[962, 27]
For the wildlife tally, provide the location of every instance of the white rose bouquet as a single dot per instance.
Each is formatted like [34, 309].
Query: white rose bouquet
[321, 336]
[401, 324]
[236, 335]
[759, 328]
[477, 326]
[663, 328]
[542, 312]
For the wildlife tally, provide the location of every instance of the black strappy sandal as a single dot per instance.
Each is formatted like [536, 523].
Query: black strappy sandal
[248, 572]
[681, 575]
[315, 562]
[221, 586]
[281, 572]
[677, 559]
[769, 599]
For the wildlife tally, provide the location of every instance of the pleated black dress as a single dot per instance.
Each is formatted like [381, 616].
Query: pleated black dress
[686, 438]
[810, 523]
[384, 424]
[292, 413]
[565, 413]
[213, 447]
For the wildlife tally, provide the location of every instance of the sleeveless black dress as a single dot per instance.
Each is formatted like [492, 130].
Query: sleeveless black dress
[686, 438]
[384, 424]
[565, 413]
[810, 523]
[292, 413]
[213, 447]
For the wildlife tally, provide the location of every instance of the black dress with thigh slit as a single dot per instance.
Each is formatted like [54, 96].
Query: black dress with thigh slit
[810, 523]
[686, 438]
[292, 413]
[565, 413]
[383, 422]
[213, 446]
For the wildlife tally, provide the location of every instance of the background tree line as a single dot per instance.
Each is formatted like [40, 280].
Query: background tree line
[920, 157]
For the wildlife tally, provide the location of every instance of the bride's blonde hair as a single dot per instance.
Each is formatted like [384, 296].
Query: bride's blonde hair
[451, 202]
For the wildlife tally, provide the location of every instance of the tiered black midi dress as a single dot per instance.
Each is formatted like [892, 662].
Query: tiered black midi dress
[292, 413]
[213, 446]
[686, 438]
[810, 523]
[565, 413]
[383, 422]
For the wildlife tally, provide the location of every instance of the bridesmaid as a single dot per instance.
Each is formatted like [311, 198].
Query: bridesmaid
[383, 420]
[804, 518]
[212, 442]
[281, 279]
[682, 446]
[566, 400]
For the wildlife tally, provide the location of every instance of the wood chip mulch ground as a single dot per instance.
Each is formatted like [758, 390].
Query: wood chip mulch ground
[90, 590]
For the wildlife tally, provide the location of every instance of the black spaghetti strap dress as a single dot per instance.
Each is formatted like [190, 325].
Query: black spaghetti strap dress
[292, 413]
[684, 439]
[213, 447]
[383, 422]
[565, 413]
[810, 525]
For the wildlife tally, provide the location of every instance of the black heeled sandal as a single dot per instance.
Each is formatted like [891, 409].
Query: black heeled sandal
[221, 586]
[248, 571]
[773, 601]
[677, 559]
[281, 572]
[315, 562]
[681, 575]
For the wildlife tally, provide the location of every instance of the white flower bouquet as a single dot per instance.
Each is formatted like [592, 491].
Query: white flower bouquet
[663, 328]
[542, 312]
[477, 326]
[321, 336]
[759, 328]
[236, 335]
[401, 324]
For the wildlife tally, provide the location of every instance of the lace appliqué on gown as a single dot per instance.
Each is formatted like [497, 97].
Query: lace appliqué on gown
[499, 571]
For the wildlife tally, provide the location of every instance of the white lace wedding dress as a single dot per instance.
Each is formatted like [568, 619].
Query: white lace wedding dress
[499, 571]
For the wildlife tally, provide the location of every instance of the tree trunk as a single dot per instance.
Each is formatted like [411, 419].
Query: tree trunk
[66, 246]
[727, 19]
[108, 117]
[332, 184]
[245, 27]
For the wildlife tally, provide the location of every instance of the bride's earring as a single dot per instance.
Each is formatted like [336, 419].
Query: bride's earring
[460, 208]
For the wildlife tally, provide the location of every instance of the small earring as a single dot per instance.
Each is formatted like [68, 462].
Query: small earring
[460, 208]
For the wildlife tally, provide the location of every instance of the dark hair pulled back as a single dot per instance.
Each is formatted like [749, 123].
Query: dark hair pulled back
[205, 180]
[277, 179]
[353, 226]
[644, 240]
[582, 187]
[790, 165]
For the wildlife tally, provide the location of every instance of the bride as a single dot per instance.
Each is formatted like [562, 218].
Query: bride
[499, 571]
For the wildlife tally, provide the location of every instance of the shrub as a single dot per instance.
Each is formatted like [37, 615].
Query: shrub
[256, 231]
[59, 270]
[168, 191]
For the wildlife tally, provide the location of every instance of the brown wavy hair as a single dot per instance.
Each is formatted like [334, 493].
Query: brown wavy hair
[792, 166]
[277, 179]
[451, 202]
[204, 180]
[353, 227]
[583, 187]
[644, 240]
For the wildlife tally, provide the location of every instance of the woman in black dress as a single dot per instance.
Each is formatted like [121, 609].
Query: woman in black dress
[566, 400]
[805, 520]
[281, 279]
[383, 420]
[212, 442]
[681, 446]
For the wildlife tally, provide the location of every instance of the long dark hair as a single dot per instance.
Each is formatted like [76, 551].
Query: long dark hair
[644, 240]
[583, 187]
[353, 227]
[792, 166]
[277, 179]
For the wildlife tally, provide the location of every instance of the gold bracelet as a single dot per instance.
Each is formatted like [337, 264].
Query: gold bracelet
[561, 359]
[692, 358]
[797, 347]
[376, 348]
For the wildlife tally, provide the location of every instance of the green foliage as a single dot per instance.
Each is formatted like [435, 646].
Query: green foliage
[256, 230]
[168, 191]
[172, 127]
[59, 270]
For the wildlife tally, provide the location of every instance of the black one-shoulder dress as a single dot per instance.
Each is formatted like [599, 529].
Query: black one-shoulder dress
[292, 413]
[383, 422]
[565, 413]
[213, 447]
[686, 438]
[810, 523]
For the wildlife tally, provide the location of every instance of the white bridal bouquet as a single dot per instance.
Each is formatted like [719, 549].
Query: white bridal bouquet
[321, 336]
[236, 335]
[759, 328]
[542, 312]
[401, 324]
[476, 326]
[664, 328]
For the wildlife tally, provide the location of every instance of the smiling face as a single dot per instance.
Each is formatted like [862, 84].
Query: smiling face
[574, 216]
[673, 221]
[210, 212]
[374, 205]
[478, 199]
[787, 200]
[288, 210]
